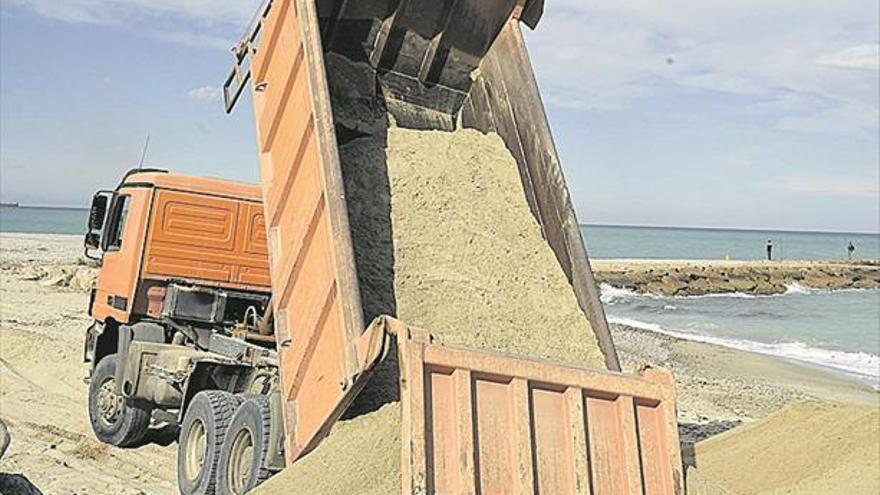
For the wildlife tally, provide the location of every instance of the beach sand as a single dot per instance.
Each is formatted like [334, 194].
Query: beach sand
[719, 388]
[43, 397]
[809, 448]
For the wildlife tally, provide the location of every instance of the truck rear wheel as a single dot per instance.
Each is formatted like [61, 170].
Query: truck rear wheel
[201, 435]
[114, 420]
[243, 455]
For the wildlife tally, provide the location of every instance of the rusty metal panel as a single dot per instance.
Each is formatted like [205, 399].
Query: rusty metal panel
[478, 422]
[206, 238]
[317, 305]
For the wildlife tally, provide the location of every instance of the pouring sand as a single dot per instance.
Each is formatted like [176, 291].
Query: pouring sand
[445, 241]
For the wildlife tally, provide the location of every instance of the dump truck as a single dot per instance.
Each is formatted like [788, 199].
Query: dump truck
[181, 313]
[256, 391]
[322, 73]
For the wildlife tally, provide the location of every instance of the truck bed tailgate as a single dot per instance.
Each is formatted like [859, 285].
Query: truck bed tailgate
[478, 422]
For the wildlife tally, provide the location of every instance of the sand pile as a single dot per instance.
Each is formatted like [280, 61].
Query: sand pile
[75, 277]
[809, 449]
[463, 257]
[467, 259]
[52, 260]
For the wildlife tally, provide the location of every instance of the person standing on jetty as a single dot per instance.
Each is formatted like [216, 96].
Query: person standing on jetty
[849, 250]
[769, 250]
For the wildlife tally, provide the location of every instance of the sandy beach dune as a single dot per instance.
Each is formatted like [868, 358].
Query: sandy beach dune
[809, 448]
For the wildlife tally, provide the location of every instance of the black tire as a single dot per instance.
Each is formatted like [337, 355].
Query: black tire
[243, 455]
[114, 419]
[201, 435]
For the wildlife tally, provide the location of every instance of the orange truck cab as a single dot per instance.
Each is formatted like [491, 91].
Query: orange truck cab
[159, 228]
[180, 305]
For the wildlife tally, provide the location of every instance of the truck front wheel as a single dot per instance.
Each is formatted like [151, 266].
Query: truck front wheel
[115, 420]
[201, 435]
[243, 455]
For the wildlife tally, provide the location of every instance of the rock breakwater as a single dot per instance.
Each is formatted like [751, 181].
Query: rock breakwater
[695, 278]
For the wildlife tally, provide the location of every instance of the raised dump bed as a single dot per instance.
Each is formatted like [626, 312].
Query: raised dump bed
[301, 123]
[328, 72]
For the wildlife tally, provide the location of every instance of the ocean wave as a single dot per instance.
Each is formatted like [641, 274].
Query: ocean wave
[727, 295]
[860, 364]
[796, 288]
[611, 294]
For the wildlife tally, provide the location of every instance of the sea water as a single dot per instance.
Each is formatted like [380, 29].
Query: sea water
[838, 330]
[31, 220]
[602, 241]
[714, 244]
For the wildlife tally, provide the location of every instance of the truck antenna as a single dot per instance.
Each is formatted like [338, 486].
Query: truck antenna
[144, 154]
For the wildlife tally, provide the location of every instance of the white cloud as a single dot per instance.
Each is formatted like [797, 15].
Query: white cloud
[865, 56]
[111, 11]
[193, 39]
[206, 93]
[784, 58]
[832, 185]
[843, 117]
[608, 55]
[203, 23]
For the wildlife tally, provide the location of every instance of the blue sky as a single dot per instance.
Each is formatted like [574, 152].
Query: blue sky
[748, 114]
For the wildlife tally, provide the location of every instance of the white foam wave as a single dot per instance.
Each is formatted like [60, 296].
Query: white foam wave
[796, 288]
[612, 294]
[725, 295]
[860, 364]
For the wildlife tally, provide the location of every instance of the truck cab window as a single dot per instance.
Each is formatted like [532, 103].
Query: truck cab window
[116, 223]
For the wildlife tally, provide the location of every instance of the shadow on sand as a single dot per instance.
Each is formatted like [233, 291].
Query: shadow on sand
[692, 433]
[16, 484]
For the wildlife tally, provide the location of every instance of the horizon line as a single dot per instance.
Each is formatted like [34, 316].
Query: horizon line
[590, 224]
[740, 229]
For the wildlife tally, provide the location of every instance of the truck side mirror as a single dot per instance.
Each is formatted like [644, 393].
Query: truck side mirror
[97, 219]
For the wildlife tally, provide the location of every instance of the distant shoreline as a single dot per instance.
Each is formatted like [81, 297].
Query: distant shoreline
[14, 204]
[729, 229]
[43, 207]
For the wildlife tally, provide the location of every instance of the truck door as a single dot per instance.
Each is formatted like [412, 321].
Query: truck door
[122, 245]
